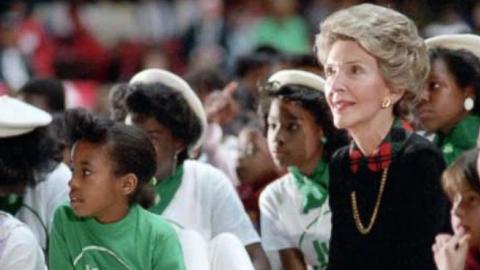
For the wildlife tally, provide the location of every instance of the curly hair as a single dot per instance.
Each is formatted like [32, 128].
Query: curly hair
[465, 68]
[312, 101]
[391, 38]
[24, 157]
[169, 108]
[129, 148]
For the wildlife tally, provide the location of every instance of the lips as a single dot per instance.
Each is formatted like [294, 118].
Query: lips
[75, 199]
[341, 105]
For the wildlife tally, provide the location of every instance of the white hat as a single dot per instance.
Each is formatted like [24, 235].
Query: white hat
[295, 76]
[18, 117]
[468, 42]
[175, 82]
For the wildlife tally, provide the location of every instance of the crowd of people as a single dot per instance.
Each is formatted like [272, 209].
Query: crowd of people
[360, 154]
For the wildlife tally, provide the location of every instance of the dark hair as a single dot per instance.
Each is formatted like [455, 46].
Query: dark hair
[116, 102]
[206, 80]
[50, 88]
[264, 56]
[311, 100]
[129, 147]
[462, 173]
[169, 108]
[465, 68]
[26, 157]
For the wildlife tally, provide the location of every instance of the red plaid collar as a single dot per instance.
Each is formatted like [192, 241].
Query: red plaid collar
[382, 156]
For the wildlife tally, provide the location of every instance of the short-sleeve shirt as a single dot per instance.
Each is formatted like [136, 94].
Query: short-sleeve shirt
[206, 202]
[141, 240]
[285, 226]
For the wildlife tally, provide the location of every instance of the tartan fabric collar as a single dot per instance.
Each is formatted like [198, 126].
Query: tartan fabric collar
[382, 156]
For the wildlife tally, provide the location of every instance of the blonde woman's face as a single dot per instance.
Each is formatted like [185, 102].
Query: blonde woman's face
[355, 88]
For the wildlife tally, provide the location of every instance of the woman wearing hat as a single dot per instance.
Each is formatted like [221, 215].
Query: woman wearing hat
[385, 195]
[32, 182]
[192, 195]
[449, 105]
[295, 215]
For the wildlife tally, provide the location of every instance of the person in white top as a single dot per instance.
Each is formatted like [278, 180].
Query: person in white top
[19, 248]
[32, 182]
[295, 216]
[193, 195]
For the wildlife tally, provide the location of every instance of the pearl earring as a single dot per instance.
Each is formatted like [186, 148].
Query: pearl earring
[468, 104]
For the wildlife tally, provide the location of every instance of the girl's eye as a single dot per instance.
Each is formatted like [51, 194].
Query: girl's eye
[433, 86]
[86, 172]
[293, 127]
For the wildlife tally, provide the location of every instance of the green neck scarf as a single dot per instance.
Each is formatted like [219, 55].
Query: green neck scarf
[166, 190]
[11, 203]
[462, 137]
[314, 188]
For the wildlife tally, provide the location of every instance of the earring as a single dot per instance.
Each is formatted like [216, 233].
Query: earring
[174, 163]
[468, 104]
[386, 103]
[324, 140]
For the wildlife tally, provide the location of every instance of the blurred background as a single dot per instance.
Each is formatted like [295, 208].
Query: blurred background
[91, 45]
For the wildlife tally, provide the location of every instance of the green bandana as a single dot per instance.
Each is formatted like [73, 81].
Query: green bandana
[166, 190]
[314, 188]
[11, 203]
[462, 137]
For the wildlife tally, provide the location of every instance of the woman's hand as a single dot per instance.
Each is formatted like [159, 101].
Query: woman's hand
[450, 252]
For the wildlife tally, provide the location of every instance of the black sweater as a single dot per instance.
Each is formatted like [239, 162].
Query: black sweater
[411, 213]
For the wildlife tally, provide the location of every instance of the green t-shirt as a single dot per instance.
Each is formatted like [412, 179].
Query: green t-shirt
[289, 35]
[141, 240]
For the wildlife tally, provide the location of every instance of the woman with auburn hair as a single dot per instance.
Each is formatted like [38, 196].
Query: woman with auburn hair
[385, 193]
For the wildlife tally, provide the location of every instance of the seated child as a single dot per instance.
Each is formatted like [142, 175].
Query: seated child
[104, 227]
[461, 182]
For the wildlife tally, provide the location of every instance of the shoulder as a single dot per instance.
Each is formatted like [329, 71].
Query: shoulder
[204, 173]
[154, 223]
[418, 148]
[15, 231]
[276, 191]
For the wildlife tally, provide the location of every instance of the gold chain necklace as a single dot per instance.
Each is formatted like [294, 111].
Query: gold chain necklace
[356, 213]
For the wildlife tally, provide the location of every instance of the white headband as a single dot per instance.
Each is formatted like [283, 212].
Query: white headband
[18, 117]
[175, 82]
[467, 42]
[295, 76]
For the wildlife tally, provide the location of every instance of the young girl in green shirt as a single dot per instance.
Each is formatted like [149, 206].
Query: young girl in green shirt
[104, 227]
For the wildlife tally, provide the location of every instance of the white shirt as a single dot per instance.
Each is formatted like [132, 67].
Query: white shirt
[284, 225]
[41, 201]
[19, 248]
[206, 202]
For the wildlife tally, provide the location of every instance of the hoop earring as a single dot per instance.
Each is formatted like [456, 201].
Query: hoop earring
[386, 103]
[468, 104]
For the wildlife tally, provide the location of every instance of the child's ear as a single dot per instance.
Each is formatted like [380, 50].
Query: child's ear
[128, 183]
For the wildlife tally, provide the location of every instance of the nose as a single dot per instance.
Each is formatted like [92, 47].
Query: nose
[73, 183]
[335, 83]
[457, 208]
[424, 94]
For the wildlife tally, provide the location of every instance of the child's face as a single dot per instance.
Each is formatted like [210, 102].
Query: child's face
[294, 138]
[94, 189]
[465, 214]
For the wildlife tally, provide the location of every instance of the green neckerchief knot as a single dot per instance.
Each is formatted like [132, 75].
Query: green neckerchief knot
[166, 190]
[314, 188]
[462, 137]
[11, 203]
